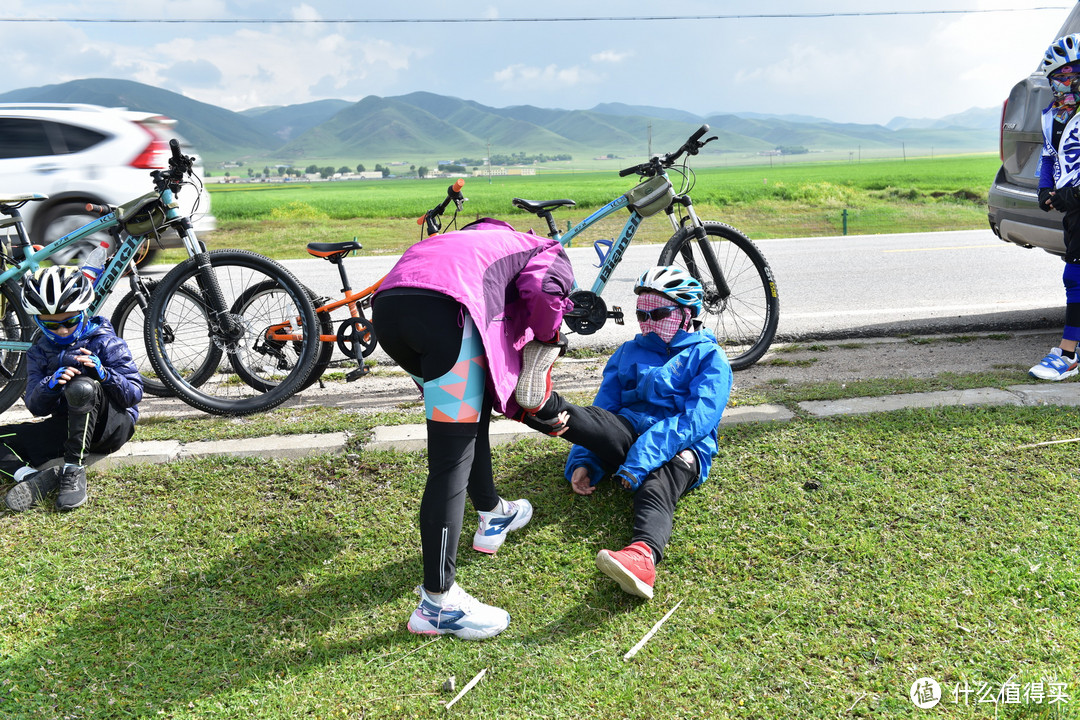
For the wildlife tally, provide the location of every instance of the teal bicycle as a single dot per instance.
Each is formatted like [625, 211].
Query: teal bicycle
[196, 337]
[741, 305]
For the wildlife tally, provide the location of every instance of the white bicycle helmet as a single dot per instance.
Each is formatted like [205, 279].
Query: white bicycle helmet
[56, 290]
[1061, 52]
[673, 283]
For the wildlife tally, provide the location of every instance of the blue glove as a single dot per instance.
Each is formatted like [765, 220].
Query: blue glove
[57, 376]
[97, 371]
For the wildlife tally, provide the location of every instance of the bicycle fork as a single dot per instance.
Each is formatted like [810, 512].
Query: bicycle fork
[723, 290]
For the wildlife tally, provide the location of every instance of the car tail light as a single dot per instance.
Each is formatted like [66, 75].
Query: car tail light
[1001, 130]
[155, 156]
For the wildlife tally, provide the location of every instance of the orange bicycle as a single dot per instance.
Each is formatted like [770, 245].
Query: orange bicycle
[355, 335]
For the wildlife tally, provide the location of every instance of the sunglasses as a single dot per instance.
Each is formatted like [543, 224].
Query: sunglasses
[660, 313]
[69, 323]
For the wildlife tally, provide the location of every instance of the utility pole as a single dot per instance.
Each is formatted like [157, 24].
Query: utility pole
[650, 141]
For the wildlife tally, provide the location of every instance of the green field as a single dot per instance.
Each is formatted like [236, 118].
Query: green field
[787, 200]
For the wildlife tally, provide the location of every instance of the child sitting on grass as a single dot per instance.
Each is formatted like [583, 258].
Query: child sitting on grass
[653, 425]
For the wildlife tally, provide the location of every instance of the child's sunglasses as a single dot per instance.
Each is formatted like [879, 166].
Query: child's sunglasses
[70, 322]
[660, 313]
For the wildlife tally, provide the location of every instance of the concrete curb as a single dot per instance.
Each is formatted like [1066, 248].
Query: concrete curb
[411, 438]
[271, 446]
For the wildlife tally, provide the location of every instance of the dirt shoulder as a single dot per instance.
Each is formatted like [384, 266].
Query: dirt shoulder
[812, 362]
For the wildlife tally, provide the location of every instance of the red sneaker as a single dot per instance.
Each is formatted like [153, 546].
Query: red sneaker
[632, 567]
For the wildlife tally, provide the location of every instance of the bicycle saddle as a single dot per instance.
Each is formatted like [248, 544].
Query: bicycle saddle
[333, 251]
[538, 207]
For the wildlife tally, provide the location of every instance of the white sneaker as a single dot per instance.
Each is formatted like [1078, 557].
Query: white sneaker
[491, 533]
[458, 613]
[1054, 366]
[534, 384]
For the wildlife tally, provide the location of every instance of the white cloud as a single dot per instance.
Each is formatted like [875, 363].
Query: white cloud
[549, 76]
[610, 56]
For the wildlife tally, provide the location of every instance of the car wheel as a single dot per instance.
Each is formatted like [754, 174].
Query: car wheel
[59, 220]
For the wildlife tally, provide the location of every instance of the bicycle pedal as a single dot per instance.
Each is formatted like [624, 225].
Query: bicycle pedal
[357, 373]
[616, 314]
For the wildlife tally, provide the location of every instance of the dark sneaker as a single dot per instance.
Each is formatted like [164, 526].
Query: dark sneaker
[72, 488]
[632, 567]
[33, 489]
[534, 383]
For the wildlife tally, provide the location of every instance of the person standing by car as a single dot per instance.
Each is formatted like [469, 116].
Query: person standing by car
[1059, 189]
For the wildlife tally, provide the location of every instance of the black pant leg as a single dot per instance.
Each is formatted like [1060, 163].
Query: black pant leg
[655, 501]
[31, 443]
[605, 434]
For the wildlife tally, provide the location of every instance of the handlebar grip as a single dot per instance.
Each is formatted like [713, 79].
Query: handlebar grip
[420, 220]
[701, 131]
[98, 209]
[628, 171]
[456, 187]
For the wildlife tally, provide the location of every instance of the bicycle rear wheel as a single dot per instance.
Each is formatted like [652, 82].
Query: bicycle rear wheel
[127, 320]
[184, 303]
[744, 320]
[15, 324]
[276, 354]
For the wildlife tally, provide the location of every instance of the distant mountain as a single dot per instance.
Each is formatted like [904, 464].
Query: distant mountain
[422, 124]
[973, 118]
[286, 122]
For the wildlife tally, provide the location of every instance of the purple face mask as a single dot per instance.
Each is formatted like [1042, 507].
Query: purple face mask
[651, 307]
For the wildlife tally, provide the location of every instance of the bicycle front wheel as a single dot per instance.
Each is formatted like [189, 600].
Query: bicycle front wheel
[741, 304]
[128, 322]
[15, 325]
[220, 321]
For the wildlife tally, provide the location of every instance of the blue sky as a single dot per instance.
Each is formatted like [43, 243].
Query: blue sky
[866, 69]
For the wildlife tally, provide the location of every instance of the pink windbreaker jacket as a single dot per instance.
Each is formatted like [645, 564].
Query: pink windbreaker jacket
[514, 285]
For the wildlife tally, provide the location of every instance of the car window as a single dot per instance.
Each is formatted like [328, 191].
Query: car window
[20, 137]
[77, 139]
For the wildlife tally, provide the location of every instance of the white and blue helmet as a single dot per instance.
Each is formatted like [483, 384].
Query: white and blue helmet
[1063, 51]
[673, 283]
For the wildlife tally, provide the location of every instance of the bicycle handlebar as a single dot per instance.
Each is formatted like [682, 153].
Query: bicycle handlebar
[179, 166]
[660, 162]
[453, 194]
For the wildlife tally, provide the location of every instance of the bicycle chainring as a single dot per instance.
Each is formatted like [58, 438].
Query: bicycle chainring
[356, 334]
[589, 313]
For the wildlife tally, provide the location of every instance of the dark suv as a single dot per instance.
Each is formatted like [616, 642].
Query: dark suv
[1013, 200]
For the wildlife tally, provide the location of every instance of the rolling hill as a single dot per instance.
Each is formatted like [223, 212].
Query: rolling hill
[427, 124]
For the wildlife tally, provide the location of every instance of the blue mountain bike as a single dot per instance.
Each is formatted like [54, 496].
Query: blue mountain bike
[200, 339]
[741, 305]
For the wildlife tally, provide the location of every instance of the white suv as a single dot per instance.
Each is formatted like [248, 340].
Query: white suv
[79, 154]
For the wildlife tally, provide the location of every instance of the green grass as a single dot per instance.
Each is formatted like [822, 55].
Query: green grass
[796, 200]
[824, 566]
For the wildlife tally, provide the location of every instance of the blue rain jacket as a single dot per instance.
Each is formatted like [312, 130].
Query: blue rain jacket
[124, 384]
[674, 396]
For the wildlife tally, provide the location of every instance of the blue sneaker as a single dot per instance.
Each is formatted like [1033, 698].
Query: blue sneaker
[1054, 367]
[457, 613]
[491, 533]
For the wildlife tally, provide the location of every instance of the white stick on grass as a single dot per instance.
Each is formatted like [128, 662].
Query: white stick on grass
[648, 635]
[467, 688]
